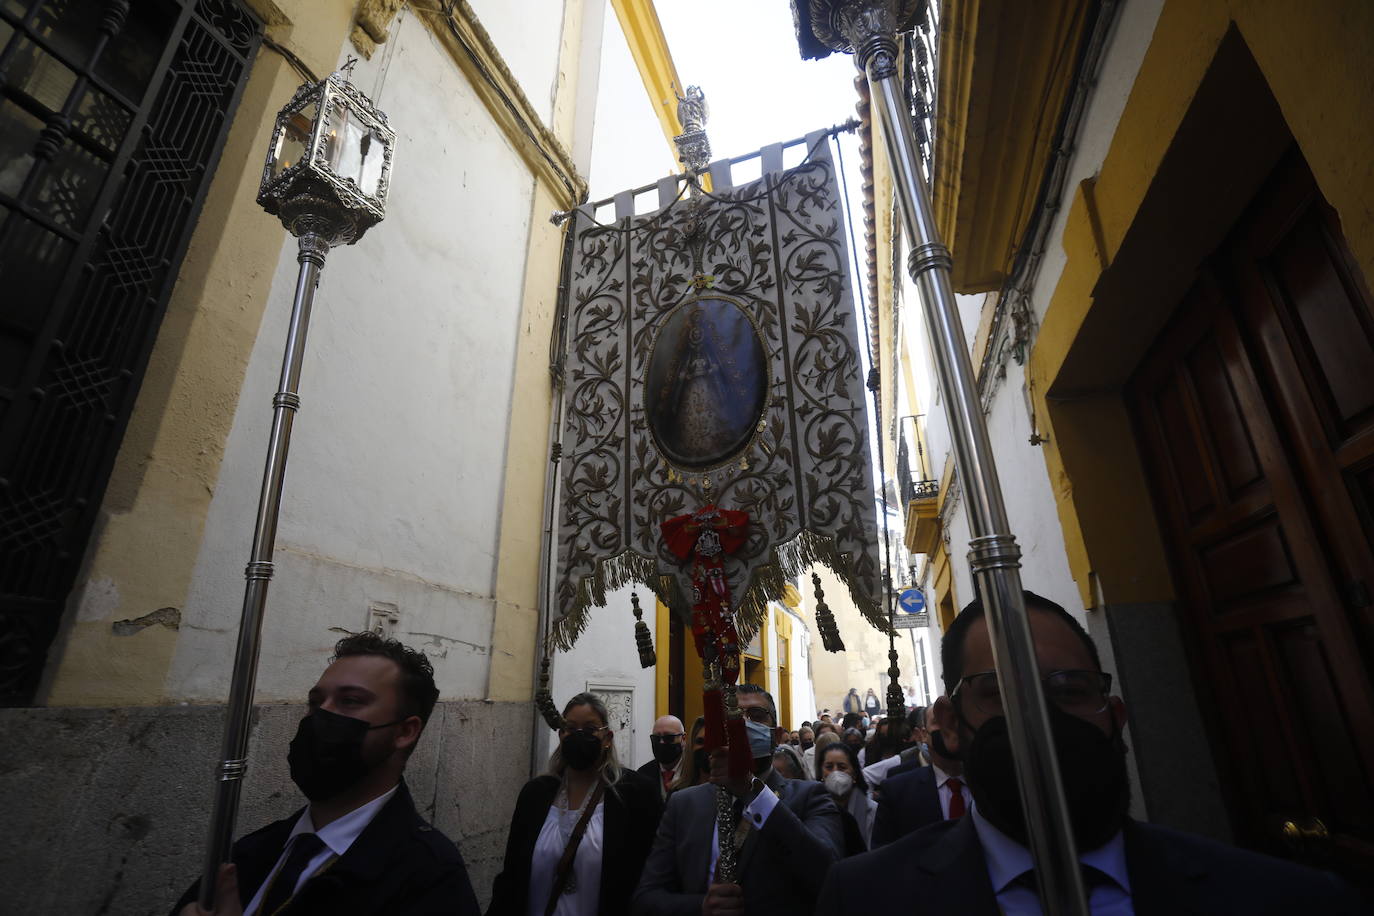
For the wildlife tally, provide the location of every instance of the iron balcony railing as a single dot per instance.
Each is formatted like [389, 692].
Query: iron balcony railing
[913, 477]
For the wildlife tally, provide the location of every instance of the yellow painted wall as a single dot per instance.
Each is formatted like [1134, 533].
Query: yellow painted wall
[1316, 60]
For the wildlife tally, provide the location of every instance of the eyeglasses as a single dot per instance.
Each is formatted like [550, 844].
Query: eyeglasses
[592, 730]
[1079, 693]
[758, 714]
[665, 739]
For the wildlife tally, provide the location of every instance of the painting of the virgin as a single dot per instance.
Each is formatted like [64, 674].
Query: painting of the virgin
[707, 383]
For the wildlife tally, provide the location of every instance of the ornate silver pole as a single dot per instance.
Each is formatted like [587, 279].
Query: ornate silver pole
[867, 28]
[694, 151]
[285, 403]
[326, 177]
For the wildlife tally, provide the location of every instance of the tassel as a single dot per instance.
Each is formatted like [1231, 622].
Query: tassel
[543, 699]
[825, 621]
[896, 701]
[741, 756]
[645, 643]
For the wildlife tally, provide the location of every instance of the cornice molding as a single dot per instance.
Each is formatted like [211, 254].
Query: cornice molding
[1006, 69]
[460, 32]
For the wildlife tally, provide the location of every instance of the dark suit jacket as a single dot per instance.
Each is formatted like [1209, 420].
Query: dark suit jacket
[780, 866]
[911, 760]
[398, 865]
[629, 818]
[652, 772]
[1172, 874]
[907, 802]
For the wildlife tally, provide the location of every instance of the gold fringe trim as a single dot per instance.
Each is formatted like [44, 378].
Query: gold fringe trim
[789, 560]
[627, 568]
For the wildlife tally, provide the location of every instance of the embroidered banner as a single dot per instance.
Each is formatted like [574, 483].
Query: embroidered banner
[742, 389]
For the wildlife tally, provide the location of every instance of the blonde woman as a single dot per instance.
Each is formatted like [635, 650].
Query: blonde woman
[580, 833]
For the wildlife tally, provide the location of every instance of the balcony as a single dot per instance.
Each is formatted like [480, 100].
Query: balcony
[920, 493]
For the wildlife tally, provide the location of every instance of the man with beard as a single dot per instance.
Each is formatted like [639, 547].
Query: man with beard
[980, 864]
[789, 834]
[359, 847]
[667, 741]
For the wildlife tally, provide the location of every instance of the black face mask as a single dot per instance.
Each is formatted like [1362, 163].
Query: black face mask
[326, 756]
[806, 744]
[581, 750]
[666, 750]
[701, 759]
[1093, 767]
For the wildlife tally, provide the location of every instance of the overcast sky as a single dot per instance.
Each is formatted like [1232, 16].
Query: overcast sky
[743, 54]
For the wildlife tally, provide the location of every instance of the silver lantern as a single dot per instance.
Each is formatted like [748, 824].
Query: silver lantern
[326, 178]
[329, 164]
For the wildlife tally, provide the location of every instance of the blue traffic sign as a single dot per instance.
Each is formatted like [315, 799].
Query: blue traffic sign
[911, 601]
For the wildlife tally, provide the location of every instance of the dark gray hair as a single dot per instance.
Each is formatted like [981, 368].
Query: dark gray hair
[755, 688]
[794, 761]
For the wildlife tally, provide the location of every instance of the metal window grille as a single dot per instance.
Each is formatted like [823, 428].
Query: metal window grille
[112, 118]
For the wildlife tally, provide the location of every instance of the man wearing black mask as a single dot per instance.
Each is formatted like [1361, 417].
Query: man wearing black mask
[789, 833]
[980, 864]
[667, 741]
[359, 847]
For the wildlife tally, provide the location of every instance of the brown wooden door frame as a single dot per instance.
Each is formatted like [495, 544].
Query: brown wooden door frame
[1298, 494]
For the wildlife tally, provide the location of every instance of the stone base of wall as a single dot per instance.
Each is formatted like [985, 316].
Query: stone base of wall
[106, 809]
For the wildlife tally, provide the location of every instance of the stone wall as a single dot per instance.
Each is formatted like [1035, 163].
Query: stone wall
[106, 809]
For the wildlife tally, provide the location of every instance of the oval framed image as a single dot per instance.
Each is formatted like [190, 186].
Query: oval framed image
[707, 382]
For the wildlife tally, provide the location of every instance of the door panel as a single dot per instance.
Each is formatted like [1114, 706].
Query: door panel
[1253, 410]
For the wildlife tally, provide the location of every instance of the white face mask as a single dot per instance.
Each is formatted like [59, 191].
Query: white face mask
[838, 782]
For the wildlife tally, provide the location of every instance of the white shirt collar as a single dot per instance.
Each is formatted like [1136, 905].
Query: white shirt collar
[941, 777]
[1007, 859]
[339, 834]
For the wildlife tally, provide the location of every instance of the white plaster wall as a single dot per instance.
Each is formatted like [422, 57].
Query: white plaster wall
[803, 643]
[927, 686]
[396, 466]
[1130, 37]
[605, 653]
[1026, 486]
[528, 33]
[1021, 466]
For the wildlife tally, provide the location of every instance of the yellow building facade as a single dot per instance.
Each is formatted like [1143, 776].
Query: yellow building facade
[1164, 211]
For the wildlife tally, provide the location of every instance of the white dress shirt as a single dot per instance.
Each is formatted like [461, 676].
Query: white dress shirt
[585, 896]
[756, 813]
[946, 792]
[875, 773]
[337, 836]
[1007, 859]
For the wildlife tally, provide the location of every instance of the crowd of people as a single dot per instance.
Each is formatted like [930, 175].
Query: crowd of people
[918, 816]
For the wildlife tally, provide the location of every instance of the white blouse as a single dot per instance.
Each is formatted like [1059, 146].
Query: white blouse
[583, 895]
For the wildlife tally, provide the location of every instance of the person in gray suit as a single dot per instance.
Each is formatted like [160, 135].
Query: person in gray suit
[791, 836]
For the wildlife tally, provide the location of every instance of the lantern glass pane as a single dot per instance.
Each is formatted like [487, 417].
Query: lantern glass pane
[293, 137]
[354, 152]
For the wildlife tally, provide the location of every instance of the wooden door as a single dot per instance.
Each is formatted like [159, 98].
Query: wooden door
[1255, 416]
